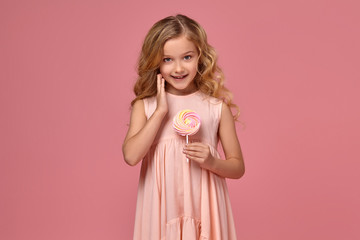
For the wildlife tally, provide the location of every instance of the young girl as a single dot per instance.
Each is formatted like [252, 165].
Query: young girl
[182, 191]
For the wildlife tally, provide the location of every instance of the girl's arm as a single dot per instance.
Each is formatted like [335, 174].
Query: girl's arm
[142, 132]
[233, 166]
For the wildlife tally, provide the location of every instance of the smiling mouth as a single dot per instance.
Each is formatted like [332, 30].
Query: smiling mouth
[180, 77]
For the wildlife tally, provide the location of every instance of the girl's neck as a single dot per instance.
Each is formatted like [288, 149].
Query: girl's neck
[181, 92]
[181, 95]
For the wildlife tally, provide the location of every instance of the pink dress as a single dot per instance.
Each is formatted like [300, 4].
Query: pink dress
[178, 199]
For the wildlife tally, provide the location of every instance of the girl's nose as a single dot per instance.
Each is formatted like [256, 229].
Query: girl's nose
[178, 67]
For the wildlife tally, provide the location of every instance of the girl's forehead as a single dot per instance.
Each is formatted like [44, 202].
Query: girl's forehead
[178, 46]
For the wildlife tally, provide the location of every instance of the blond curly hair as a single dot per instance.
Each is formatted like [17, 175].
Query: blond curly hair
[209, 78]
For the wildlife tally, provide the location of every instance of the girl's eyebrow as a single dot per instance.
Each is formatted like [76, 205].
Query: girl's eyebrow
[167, 55]
[188, 52]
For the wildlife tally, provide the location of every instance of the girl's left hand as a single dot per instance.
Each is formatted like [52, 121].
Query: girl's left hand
[200, 153]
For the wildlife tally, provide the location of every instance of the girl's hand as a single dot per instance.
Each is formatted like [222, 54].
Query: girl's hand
[200, 153]
[161, 95]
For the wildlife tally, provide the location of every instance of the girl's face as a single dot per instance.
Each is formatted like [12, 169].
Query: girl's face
[179, 65]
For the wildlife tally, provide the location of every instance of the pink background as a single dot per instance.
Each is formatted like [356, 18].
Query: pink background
[67, 69]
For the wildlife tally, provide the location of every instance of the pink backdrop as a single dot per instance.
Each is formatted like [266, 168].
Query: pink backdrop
[67, 70]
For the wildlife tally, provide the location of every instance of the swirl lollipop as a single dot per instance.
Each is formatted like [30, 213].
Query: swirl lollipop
[185, 123]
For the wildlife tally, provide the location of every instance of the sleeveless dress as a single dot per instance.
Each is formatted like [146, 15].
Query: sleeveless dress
[178, 199]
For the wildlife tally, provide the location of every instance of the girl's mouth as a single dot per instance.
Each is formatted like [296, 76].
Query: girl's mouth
[180, 77]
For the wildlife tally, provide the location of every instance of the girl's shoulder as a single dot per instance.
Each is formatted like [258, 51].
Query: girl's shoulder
[149, 99]
[210, 99]
[149, 105]
[211, 106]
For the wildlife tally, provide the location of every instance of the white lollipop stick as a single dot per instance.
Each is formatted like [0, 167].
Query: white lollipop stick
[187, 141]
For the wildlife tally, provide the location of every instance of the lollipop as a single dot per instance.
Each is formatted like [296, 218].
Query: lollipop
[186, 122]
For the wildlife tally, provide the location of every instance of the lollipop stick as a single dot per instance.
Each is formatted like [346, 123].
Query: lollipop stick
[187, 141]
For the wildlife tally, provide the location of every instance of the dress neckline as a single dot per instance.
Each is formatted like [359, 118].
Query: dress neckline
[186, 95]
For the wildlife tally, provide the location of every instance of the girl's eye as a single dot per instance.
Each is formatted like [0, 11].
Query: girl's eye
[167, 59]
[187, 57]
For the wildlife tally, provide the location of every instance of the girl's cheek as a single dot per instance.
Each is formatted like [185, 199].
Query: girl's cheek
[164, 69]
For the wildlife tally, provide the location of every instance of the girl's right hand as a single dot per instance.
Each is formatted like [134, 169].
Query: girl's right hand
[162, 106]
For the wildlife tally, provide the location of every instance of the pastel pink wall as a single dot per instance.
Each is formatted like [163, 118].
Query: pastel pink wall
[66, 74]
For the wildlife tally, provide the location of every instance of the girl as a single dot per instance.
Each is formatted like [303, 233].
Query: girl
[180, 199]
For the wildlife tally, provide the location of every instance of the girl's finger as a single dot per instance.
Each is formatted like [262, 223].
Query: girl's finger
[196, 144]
[163, 84]
[194, 147]
[196, 159]
[158, 83]
[194, 154]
